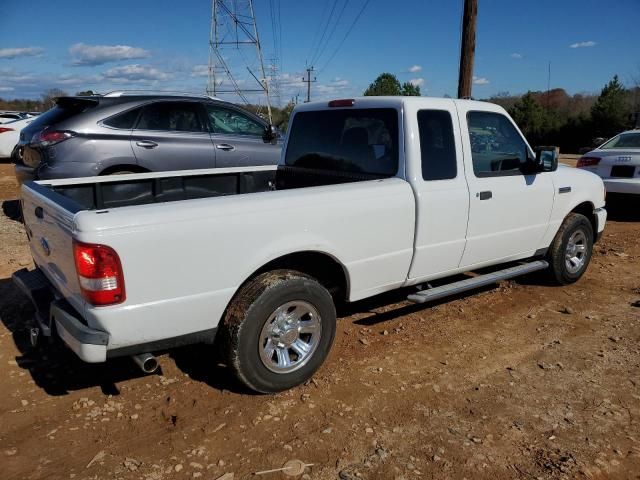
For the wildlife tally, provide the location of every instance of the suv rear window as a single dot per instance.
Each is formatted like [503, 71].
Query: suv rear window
[350, 140]
[59, 114]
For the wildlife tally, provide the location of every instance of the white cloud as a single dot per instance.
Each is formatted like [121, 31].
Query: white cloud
[589, 43]
[7, 89]
[481, 81]
[201, 70]
[135, 73]
[20, 52]
[83, 54]
[417, 82]
[415, 68]
[516, 55]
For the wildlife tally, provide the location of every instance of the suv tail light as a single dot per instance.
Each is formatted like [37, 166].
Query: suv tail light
[50, 137]
[5, 129]
[588, 161]
[99, 273]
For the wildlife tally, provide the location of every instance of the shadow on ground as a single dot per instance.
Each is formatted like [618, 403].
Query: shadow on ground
[52, 366]
[623, 208]
[11, 209]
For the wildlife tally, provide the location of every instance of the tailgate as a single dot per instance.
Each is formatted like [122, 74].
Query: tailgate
[49, 228]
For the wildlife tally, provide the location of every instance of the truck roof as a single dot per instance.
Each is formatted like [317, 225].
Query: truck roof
[398, 101]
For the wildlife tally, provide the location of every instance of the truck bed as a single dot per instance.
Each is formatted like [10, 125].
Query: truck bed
[128, 190]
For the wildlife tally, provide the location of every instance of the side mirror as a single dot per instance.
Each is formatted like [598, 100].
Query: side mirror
[270, 134]
[547, 158]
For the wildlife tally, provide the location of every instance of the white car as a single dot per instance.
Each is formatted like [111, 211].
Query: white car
[7, 117]
[10, 134]
[371, 194]
[617, 162]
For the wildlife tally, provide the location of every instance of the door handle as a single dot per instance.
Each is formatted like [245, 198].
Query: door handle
[485, 195]
[225, 146]
[146, 144]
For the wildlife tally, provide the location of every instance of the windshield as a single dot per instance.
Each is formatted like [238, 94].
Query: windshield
[350, 140]
[624, 140]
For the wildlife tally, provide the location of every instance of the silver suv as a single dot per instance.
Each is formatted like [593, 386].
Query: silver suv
[127, 132]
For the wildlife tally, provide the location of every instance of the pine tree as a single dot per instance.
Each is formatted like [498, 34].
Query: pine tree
[610, 114]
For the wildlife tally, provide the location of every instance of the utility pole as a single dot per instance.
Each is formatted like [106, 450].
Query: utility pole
[548, 85]
[308, 80]
[467, 48]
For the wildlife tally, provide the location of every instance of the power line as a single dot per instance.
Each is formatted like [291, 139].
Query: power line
[324, 31]
[335, 24]
[315, 36]
[353, 24]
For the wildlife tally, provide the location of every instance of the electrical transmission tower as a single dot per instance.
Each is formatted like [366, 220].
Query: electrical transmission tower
[236, 64]
[274, 81]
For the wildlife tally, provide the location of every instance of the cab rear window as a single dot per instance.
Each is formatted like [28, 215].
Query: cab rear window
[349, 140]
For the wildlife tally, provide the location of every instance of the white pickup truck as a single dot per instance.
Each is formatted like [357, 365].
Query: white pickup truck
[372, 194]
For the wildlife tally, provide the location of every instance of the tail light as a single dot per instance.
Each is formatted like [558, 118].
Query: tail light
[5, 129]
[588, 161]
[99, 274]
[50, 137]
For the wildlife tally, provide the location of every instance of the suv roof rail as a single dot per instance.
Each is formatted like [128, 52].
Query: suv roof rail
[124, 93]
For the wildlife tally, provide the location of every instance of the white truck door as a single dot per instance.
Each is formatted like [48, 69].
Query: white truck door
[509, 210]
[436, 171]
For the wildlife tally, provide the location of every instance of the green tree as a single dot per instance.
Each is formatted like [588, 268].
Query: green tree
[610, 113]
[410, 90]
[531, 117]
[385, 84]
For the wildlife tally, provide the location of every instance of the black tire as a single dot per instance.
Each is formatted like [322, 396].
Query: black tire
[246, 319]
[573, 225]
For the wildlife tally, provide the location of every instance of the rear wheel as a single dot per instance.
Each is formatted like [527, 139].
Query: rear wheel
[571, 249]
[278, 330]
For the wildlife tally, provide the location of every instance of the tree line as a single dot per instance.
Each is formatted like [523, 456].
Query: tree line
[574, 122]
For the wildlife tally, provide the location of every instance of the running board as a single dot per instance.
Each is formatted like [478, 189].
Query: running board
[476, 282]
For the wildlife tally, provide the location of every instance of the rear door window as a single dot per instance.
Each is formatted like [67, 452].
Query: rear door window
[352, 140]
[437, 145]
[125, 120]
[171, 117]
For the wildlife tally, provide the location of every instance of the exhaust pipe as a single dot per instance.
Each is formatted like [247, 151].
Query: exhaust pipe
[146, 361]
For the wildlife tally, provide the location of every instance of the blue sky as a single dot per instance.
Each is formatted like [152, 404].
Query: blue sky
[161, 44]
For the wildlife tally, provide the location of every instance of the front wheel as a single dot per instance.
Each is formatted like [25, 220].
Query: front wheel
[571, 249]
[278, 330]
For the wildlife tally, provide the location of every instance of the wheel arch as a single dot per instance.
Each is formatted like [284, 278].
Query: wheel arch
[322, 266]
[587, 209]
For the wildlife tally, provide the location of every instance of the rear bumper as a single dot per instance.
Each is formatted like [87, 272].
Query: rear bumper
[89, 344]
[622, 185]
[57, 316]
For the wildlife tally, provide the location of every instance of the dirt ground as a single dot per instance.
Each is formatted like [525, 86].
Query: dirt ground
[522, 380]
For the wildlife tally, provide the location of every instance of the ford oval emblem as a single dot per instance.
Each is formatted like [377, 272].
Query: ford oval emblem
[45, 246]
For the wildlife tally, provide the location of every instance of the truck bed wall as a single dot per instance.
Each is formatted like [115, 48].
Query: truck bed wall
[143, 191]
